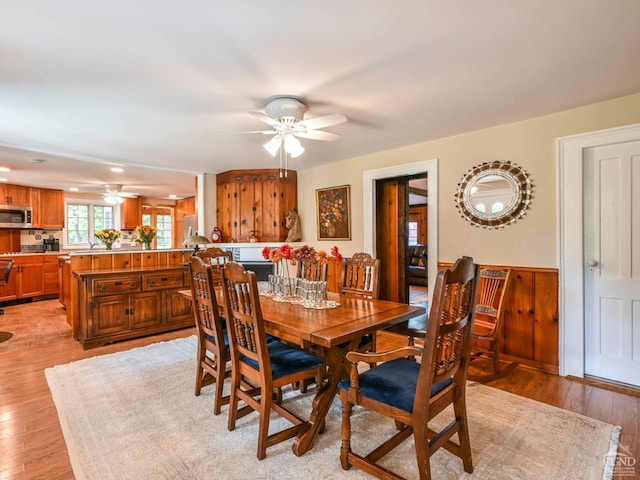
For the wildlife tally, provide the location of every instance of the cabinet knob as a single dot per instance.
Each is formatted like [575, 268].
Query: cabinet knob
[592, 263]
[103, 288]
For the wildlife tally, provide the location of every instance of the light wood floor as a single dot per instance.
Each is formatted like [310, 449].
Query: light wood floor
[31, 441]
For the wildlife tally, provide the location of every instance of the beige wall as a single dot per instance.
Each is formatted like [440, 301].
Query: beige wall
[532, 241]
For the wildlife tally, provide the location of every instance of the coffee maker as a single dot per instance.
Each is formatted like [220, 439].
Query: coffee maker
[51, 245]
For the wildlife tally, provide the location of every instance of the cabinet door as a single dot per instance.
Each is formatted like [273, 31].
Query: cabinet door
[50, 209]
[18, 195]
[50, 274]
[10, 290]
[130, 213]
[109, 315]
[145, 309]
[30, 280]
[178, 310]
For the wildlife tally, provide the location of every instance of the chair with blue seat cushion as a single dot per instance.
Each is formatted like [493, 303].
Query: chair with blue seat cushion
[414, 393]
[213, 345]
[258, 366]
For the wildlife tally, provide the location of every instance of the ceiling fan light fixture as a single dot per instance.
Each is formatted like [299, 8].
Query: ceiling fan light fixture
[273, 145]
[113, 199]
[293, 146]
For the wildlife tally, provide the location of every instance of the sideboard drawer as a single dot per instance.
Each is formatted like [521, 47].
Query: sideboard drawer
[160, 281]
[113, 286]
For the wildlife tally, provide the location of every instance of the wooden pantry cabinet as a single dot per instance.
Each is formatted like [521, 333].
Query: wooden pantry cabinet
[255, 201]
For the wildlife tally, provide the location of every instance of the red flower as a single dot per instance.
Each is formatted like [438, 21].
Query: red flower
[265, 253]
[336, 253]
[286, 251]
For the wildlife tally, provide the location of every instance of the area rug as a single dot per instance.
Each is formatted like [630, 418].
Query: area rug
[133, 415]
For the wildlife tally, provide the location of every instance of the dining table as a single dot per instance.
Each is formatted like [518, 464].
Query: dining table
[331, 331]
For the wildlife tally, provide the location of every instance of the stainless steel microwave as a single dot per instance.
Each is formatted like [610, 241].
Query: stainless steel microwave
[12, 216]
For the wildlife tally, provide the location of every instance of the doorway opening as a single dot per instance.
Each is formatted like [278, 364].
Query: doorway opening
[387, 238]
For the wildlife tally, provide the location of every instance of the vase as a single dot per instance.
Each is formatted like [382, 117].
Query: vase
[109, 245]
[146, 246]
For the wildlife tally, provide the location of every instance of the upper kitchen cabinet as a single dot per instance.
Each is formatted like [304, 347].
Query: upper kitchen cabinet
[131, 213]
[254, 202]
[48, 208]
[15, 195]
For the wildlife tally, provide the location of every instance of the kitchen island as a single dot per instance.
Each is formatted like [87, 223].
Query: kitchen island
[120, 295]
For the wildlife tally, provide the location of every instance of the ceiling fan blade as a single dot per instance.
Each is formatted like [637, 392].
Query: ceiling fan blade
[264, 132]
[322, 122]
[265, 118]
[317, 135]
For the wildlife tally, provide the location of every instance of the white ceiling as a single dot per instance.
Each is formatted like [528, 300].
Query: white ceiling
[163, 84]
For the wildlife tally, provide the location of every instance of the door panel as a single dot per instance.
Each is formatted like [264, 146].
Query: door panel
[612, 266]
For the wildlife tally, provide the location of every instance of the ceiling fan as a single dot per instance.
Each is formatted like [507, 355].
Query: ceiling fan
[285, 114]
[114, 195]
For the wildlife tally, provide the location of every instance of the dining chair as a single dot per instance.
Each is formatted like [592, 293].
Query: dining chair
[360, 278]
[413, 393]
[489, 326]
[216, 258]
[312, 269]
[5, 268]
[213, 356]
[267, 366]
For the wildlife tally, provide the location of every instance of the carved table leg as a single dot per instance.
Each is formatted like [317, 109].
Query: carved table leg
[334, 358]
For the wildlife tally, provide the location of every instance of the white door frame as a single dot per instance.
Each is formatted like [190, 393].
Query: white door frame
[430, 167]
[569, 151]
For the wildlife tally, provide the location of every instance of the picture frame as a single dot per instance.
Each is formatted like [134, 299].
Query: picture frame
[333, 206]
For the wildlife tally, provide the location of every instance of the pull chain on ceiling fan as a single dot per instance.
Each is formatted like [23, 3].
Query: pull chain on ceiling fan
[286, 115]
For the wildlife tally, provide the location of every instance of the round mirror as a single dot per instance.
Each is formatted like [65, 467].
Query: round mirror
[494, 194]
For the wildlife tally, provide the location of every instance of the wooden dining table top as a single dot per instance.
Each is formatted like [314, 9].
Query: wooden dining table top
[330, 327]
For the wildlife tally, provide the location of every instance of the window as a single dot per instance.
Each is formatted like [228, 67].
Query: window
[413, 233]
[162, 218]
[84, 219]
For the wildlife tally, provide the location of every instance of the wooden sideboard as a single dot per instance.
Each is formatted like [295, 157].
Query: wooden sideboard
[122, 295]
[531, 319]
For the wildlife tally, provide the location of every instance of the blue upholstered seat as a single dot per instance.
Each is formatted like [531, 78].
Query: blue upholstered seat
[286, 360]
[394, 383]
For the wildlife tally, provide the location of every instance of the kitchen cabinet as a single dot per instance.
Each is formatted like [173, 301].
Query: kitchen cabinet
[50, 274]
[117, 304]
[15, 195]
[255, 201]
[26, 278]
[48, 208]
[131, 213]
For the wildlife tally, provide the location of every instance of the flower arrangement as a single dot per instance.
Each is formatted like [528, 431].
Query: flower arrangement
[145, 233]
[108, 236]
[285, 255]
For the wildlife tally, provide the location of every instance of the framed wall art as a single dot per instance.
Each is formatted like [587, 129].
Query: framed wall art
[334, 213]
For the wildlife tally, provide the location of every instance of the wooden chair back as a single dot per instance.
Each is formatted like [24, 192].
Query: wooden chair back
[312, 269]
[488, 327]
[212, 352]
[216, 258]
[360, 276]
[492, 287]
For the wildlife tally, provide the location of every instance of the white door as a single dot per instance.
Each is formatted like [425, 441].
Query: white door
[612, 262]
